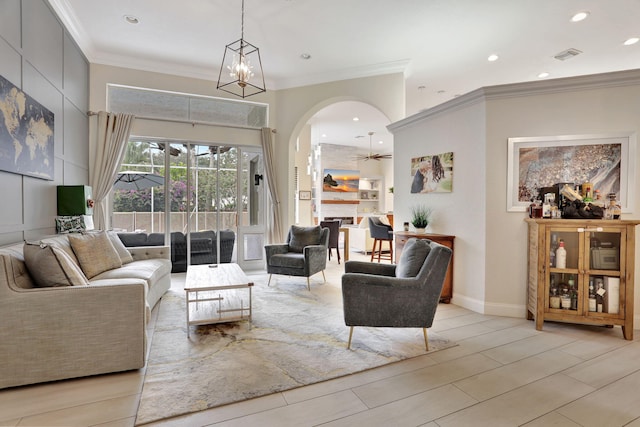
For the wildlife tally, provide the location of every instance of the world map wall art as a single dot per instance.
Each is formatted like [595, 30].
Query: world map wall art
[26, 134]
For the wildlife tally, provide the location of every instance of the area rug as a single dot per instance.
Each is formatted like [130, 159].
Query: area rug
[297, 337]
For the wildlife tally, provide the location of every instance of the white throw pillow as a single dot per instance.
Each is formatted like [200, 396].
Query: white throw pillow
[123, 252]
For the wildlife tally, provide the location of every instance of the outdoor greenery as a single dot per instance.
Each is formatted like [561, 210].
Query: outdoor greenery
[206, 182]
[420, 216]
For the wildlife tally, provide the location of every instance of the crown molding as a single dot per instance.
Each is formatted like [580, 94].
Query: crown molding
[567, 84]
[73, 26]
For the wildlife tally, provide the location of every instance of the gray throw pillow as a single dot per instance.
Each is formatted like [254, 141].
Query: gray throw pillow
[51, 266]
[304, 236]
[413, 255]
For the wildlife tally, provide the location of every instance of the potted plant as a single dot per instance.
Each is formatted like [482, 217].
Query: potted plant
[420, 216]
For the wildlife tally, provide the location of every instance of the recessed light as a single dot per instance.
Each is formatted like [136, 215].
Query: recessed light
[632, 40]
[381, 142]
[305, 56]
[131, 19]
[355, 119]
[492, 57]
[580, 16]
[543, 75]
[324, 135]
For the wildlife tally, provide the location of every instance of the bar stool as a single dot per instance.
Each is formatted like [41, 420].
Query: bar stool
[381, 232]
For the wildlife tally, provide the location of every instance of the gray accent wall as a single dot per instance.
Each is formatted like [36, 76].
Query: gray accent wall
[39, 56]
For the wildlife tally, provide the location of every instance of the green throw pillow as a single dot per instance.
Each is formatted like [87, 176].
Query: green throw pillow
[51, 266]
[413, 255]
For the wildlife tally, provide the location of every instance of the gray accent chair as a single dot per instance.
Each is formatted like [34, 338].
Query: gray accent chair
[304, 254]
[405, 295]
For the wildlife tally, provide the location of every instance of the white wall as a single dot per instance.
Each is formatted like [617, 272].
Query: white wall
[461, 212]
[600, 108]
[294, 107]
[289, 112]
[491, 247]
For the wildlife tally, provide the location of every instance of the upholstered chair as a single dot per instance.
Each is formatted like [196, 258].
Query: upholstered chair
[405, 295]
[304, 254]
[381, 233]
[334, 235]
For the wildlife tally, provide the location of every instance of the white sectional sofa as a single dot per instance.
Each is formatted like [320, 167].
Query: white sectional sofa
[59, 332]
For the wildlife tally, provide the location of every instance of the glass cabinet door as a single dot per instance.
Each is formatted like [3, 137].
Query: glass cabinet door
[563, 282]
[605, 286]
[584, 275]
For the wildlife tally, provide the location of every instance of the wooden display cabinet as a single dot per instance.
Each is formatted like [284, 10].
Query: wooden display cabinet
[401, 238]
[599, 253]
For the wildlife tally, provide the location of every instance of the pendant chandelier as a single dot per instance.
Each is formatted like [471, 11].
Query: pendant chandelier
[241, 70]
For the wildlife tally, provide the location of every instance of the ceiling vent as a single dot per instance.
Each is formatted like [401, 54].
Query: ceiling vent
[566, 54]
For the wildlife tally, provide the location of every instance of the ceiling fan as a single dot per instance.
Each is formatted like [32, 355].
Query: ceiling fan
[372, 155]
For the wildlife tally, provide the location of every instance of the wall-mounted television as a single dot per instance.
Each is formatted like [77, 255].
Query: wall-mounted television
[340, 180]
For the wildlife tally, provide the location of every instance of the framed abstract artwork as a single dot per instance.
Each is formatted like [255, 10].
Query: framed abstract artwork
[606, 160]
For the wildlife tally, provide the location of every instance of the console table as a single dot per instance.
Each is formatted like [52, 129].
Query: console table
[443, 239]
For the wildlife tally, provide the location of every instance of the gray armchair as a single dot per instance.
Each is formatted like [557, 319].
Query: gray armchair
[304, 254]
[405, 295]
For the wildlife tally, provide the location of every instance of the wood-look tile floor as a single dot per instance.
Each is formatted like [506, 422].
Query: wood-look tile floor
[502, 373]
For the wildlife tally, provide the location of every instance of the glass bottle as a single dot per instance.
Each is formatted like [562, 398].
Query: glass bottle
[554, 299]
[546, 206]
[573, 294]
[600, 296]
[592, 296]
[561, 255]
[565, 297]
[553, 249]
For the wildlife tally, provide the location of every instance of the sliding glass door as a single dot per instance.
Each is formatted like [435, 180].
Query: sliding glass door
[214, 193]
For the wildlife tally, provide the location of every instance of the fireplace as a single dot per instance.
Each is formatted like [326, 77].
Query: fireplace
[346, 220]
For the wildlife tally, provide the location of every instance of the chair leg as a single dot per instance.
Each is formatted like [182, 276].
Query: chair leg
[324, 277]
[338, 252]
[391, 251]
[308, 284]
[350, 335]
[269, 282]
[426, 342]
[379, 250]
[373, 251]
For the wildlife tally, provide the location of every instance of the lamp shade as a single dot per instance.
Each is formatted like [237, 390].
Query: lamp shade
[75, 200]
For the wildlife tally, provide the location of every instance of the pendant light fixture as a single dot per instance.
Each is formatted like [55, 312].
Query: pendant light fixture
[371, 155]
[241, 70]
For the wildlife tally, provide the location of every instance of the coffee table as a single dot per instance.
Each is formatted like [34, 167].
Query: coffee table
[217, 294]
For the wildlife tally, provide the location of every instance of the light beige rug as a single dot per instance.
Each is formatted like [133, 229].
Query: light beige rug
[296, 338]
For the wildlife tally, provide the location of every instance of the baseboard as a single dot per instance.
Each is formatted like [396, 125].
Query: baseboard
[492, 309]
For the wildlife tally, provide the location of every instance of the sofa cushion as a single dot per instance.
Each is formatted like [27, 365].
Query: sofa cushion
[123, 253]
[413, 255]
[95, 253]
[289, 260]
[304, 236]
[51, 266]
[149, 270]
